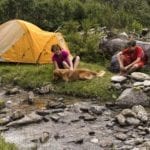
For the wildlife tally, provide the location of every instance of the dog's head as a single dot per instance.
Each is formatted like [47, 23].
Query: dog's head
[56, 74]
[62, 74]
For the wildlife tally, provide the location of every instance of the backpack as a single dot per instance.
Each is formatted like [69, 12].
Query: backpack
[114, 64]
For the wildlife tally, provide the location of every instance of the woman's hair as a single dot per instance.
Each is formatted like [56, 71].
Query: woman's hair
[55, 47]
[131, 43]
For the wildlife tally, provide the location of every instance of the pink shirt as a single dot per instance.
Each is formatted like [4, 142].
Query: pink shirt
[60, 58]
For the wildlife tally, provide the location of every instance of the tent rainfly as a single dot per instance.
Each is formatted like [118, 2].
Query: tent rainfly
[24, 42]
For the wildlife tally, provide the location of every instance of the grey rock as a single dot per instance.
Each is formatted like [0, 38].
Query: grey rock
[30, 98]
[28, 119]
[43, 112]
[121, 119]
[140, 76]
[121, 136]
[106, 142]
[145, 146]
[118, 79]
[55, 117]
[138, 84]
[57, 110]
[128, 113]
[98, 110]
[4, 129]
[46, 89]
[94, 140]
[13, 91]
[89, 118]
[139, 141]
[117, 86]
[140, 112]
[146, 89]
[4, 121]
[146, 83]
[44, 137]
[55, 105]
[131, 97]
[17, 115]
[132, 121]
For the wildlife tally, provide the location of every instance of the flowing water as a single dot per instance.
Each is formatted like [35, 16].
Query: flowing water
[68, 128]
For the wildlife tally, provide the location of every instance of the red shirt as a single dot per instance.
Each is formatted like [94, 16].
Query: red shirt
[133, 55]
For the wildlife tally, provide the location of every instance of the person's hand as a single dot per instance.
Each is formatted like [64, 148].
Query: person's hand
[127, 67]
[122, 68]
[71, 68]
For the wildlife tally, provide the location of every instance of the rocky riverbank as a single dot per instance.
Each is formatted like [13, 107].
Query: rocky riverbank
[58, 122]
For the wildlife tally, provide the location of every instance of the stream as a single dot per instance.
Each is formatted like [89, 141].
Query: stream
[67, 123]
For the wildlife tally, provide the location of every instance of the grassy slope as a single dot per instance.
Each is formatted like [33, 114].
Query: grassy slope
[31, 76]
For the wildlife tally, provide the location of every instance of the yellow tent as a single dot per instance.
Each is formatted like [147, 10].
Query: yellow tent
[23, 42]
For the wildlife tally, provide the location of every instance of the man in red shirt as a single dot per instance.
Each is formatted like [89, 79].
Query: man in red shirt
[131, 58]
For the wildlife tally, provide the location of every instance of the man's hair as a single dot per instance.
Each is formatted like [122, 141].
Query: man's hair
[131, 43]
[55, 47]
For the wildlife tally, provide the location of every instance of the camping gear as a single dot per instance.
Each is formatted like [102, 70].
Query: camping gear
[24, 42]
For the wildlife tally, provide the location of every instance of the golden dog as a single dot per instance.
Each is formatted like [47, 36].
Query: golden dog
[78, 74]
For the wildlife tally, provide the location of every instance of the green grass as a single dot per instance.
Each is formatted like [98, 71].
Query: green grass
[32, 76]
[6, 146]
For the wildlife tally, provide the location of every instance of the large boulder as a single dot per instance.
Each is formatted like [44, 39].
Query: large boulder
[132, 96]
[109, 46]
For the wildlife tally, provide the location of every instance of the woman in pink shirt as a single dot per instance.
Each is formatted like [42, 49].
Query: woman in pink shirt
[62, 60]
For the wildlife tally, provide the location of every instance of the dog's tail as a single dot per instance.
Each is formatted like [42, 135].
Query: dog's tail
[101, 73]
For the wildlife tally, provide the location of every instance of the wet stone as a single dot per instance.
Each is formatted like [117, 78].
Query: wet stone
[58, 136]
[140, 112]
[30, 98]
[128, 113]
[117, 86]
[4, 121]
[12, 91]
[140, 76]
[91, 133]
[139, 141]
[106, 142]
[45, 137]
[98, 110]
[110, 124]
[85, 109]
[89, 118]
[94, 140]
[118, 79]
[46, 118]
[123, 129]
[55, 117]
[43, 112]
[132, 121]
[4, 129]
[121, 119]
[121, 136]
[17, 115]
[28, 119]
[57, 110]
[55, 105]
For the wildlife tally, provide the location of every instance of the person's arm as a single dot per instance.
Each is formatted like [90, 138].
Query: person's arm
[120, 61]
[70, 62]
[140, 54]
[133, 63]
[55, 65]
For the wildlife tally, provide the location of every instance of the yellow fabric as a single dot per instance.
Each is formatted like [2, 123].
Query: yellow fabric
[32, 45]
